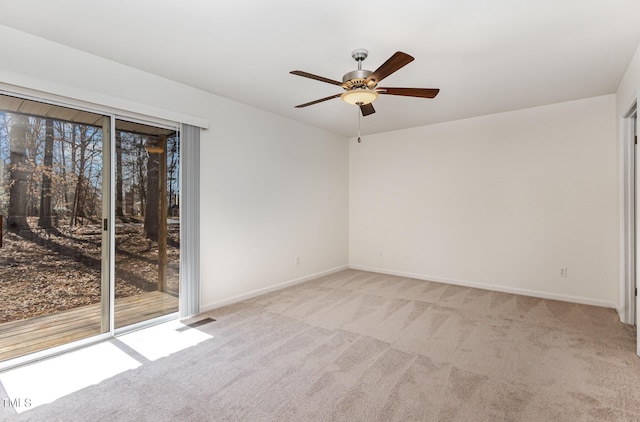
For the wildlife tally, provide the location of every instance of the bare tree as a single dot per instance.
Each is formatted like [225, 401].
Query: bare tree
[18, 174]
[141, 166]
[152, 204]
[173, 172]
[81, 161]
[33, 167]
[45, 196]
[64, 185]
[119, 187]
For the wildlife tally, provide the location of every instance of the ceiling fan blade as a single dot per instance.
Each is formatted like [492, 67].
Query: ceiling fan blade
[394, 63]
[367, 109]
[316, 77]
[318, 101]
[410, 92]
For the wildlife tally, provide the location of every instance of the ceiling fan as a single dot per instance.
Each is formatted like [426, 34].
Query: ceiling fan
[361, 86]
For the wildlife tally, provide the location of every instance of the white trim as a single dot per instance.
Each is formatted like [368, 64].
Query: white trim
[621, 217]
[109, 183]
[492, 287]
[258, 292]
[626, 306]
[52, 91]
[164, 125]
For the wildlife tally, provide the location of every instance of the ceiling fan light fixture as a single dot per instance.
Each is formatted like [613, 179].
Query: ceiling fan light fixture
[359, 96]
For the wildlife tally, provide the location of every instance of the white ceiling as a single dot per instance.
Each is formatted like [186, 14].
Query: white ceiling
[485, 56]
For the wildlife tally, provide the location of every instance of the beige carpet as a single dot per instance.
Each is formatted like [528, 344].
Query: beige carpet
[358, 346]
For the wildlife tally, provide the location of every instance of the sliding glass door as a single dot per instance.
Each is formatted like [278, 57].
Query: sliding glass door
[89, 224]
[147, 222]
[53, 285]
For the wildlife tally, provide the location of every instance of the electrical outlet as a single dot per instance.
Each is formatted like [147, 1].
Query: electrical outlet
[297, 260]
[563, 271]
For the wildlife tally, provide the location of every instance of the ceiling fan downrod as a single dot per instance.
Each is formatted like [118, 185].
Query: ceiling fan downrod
[359, 55]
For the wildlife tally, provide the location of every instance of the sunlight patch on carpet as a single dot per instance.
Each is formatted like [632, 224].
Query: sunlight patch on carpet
[163, 340]
[45, 381]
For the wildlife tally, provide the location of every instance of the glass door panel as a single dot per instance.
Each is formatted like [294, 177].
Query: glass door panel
[147, 222]
[53, 289]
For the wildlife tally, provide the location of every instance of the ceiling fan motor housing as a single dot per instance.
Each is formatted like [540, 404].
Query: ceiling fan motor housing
[355, 79]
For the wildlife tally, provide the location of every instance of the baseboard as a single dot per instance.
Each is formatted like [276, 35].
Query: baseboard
[493, 287]
[258, 292]
[622, 314]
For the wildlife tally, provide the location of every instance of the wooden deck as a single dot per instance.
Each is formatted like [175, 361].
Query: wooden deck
[34, 334]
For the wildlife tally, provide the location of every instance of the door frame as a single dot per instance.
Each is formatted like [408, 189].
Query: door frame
[629, 218]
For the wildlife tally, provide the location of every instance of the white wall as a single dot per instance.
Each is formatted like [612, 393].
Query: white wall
[500, 201]
[271, 188]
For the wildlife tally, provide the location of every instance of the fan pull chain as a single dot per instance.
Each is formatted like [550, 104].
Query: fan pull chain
[359, 116]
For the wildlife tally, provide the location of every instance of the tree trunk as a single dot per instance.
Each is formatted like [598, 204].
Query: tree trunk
[119, 188]
[64, 184]
[162, 218]
[142, 179]
[18, 174]
[152, 204]
[80, 193]
[45, 195]
[33, 185]
[74, 168]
